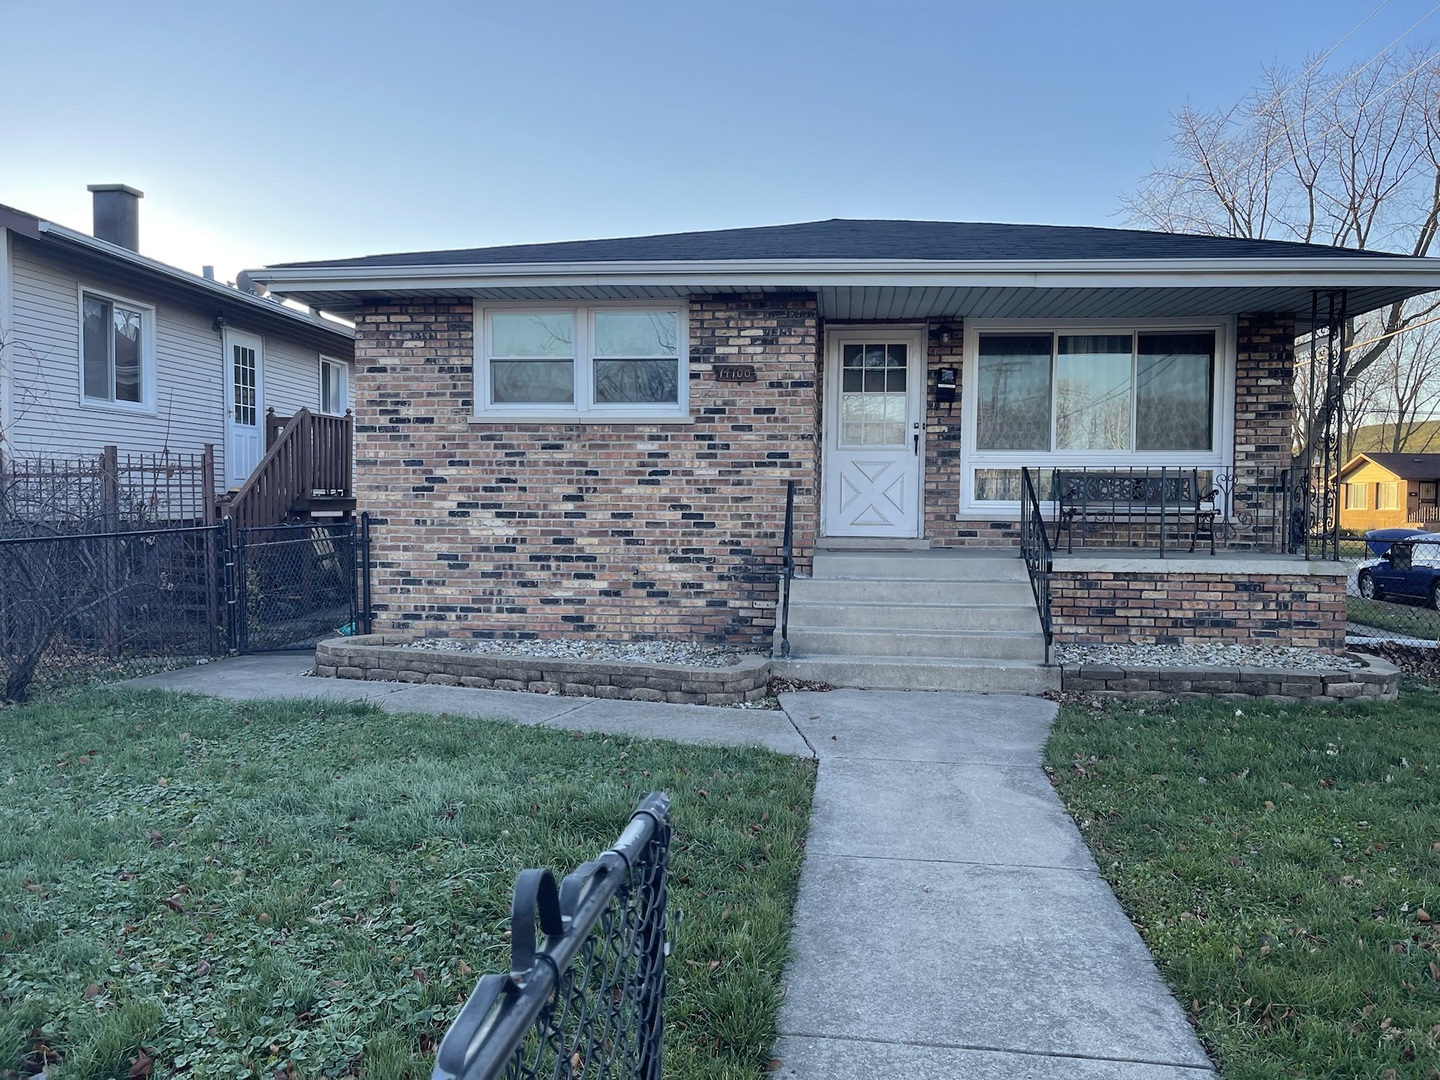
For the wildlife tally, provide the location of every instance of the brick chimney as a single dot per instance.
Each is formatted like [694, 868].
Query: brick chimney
[117, 214]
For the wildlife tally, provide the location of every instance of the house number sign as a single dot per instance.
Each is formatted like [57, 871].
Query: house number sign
[734, 372]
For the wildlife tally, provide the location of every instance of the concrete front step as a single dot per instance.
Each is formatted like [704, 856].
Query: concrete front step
[906, 592]
[918, 673]
[891, 616]
[981, 565]
[948, 644]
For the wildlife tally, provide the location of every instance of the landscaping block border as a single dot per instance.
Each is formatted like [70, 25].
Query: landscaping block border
[1378, 680]
[380, 657]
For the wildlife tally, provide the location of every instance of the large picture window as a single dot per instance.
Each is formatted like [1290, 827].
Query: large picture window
[579, 360]
[1122, 397]
[115, 350]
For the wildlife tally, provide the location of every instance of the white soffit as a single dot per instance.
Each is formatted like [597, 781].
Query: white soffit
[903, 290]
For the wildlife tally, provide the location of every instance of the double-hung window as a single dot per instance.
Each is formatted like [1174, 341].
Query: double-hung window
[116, 351]
[590, 361]
[1111, 397]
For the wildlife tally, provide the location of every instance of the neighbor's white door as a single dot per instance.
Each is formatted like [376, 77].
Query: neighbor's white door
[245, 428]
[874, 433]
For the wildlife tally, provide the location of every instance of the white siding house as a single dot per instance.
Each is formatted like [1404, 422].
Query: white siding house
[100, 345]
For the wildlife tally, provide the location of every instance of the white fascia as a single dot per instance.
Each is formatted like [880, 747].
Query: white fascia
[1310, 273]
[221, 291]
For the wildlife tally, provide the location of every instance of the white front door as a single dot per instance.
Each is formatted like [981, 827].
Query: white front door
[244, 393]
[874, 432]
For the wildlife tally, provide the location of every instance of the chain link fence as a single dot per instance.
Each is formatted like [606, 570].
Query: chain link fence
[1392, 588]
[116, 602]
[584, 998]
[293, 585]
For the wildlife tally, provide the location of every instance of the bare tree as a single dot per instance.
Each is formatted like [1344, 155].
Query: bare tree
[1346, 158]
[1406, 381]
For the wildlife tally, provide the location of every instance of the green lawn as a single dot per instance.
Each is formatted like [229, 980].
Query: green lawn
[1412, 620]
[1283, 864]
[310, 889]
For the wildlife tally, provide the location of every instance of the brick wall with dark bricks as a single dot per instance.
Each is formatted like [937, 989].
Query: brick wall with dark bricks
[635, 531]
[1166, 609]
[1264, 425]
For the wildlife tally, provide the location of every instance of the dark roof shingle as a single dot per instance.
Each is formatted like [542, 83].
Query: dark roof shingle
[1408, 466]
[841, 238]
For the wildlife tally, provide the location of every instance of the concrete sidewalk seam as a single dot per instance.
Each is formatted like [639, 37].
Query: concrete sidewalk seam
[814, 754]
[1206, 1069]
[973, 763]
[1091, 872]
[583, 703]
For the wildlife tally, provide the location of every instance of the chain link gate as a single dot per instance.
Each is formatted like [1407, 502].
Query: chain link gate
[290, 586]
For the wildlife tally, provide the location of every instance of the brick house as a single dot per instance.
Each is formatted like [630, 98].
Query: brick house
[595, 438]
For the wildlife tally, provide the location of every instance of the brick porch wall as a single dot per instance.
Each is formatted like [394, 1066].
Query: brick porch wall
[517, 530]
[1166, 609]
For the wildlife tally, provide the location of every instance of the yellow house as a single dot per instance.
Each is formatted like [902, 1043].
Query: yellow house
[1381, 491]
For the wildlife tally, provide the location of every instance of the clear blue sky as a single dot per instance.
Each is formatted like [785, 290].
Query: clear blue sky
[265, 132]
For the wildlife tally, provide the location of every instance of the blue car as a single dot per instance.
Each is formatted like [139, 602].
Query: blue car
[1408, 567]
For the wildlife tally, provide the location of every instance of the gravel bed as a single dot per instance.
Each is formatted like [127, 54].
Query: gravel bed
[1203, 654]
[687, 653]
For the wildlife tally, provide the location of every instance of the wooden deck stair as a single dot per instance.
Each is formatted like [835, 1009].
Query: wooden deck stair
[307, 473]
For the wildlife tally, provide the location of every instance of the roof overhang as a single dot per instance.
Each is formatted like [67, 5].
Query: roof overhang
[240, 308]
[902, 289]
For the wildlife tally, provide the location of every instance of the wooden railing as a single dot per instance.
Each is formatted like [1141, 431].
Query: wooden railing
[307, 455]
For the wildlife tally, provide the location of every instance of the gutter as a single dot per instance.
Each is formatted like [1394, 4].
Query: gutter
[1310, 273]
[221, 292]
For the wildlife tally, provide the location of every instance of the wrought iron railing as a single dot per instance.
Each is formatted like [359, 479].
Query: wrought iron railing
[1039, 560]
[583, 999]
[1168, 509]
[106, 492]
[787, 573]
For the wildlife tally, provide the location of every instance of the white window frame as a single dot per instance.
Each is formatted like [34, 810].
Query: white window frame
[1357, 496]
[583, 409]
[1222, 420]
[146, 404]
[344, 369]
[1384, 487]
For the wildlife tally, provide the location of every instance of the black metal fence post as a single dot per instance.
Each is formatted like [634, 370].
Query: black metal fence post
[240, 596]
[367, 618]
[585, 990]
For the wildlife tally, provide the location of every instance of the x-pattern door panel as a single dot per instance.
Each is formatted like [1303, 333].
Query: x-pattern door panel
[872, 435]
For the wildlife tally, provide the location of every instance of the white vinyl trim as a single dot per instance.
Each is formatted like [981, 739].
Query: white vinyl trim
[146, 404]
[1308, 273]
[344, 369]
[1221, 454]
[223, 292]
[7, 345]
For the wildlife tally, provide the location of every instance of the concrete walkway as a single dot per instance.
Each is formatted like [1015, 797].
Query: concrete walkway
[950, 921]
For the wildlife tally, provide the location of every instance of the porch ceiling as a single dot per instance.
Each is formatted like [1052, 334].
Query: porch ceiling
[1168, 291]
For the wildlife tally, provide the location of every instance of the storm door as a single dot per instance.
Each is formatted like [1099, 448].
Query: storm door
[874, 433]
[245, 428]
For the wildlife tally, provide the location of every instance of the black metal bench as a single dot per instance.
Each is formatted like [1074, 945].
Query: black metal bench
[1088, 500]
